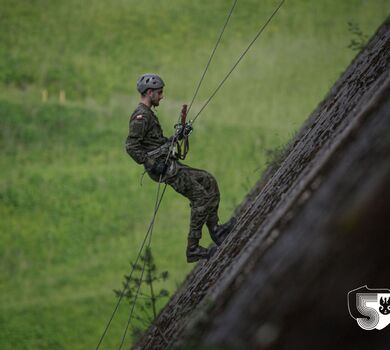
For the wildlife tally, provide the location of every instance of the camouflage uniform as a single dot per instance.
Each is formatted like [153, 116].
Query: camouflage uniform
[200, 187]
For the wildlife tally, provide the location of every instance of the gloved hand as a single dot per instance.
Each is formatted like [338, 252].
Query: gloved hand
[156, 166]
[159, 167]
[184, 131]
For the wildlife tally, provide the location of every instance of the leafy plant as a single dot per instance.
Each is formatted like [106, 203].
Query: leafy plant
[359, 38]
[145, 298]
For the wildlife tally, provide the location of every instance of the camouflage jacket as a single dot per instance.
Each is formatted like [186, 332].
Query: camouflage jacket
[145, 134]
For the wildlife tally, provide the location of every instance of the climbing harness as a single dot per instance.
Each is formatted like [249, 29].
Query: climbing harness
[179, 149]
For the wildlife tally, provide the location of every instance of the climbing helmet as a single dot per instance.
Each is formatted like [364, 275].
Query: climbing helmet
[149, 81]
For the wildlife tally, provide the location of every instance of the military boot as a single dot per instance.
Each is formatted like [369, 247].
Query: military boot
[195, 252]
[218, 233]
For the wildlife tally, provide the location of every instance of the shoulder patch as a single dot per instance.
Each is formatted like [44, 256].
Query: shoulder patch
[139, 116]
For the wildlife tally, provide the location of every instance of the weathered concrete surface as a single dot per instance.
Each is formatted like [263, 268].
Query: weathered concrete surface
[313, 231]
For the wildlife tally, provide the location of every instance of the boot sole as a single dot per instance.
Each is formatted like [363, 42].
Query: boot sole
[225, 232]
[197, 258]
[212, 251]
[191, 260]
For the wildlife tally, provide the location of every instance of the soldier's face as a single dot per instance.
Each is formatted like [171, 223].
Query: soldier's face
[156, 96]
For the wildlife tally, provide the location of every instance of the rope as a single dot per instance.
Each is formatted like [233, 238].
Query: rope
[212, 55]
[157, 205]
[149, 232]
[186, 142]
[239, 59]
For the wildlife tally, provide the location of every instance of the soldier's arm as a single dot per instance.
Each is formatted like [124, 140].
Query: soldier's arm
[137, 130]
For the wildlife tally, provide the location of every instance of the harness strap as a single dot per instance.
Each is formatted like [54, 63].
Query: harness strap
[159, 150]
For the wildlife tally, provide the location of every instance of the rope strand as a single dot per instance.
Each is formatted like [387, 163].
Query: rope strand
[239, 59]
[212, 55]
[157, 205]
[132, 270]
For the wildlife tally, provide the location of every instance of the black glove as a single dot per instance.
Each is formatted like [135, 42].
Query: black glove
[184, 131]
[159, 167]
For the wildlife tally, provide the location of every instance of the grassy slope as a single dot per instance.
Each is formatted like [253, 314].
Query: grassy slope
[72, 211]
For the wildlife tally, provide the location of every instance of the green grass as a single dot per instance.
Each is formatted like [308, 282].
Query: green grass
[72, 211]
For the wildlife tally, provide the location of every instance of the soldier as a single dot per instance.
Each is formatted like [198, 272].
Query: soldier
[147, 145]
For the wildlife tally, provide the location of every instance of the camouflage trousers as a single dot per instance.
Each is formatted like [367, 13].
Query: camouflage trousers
[201, 188]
